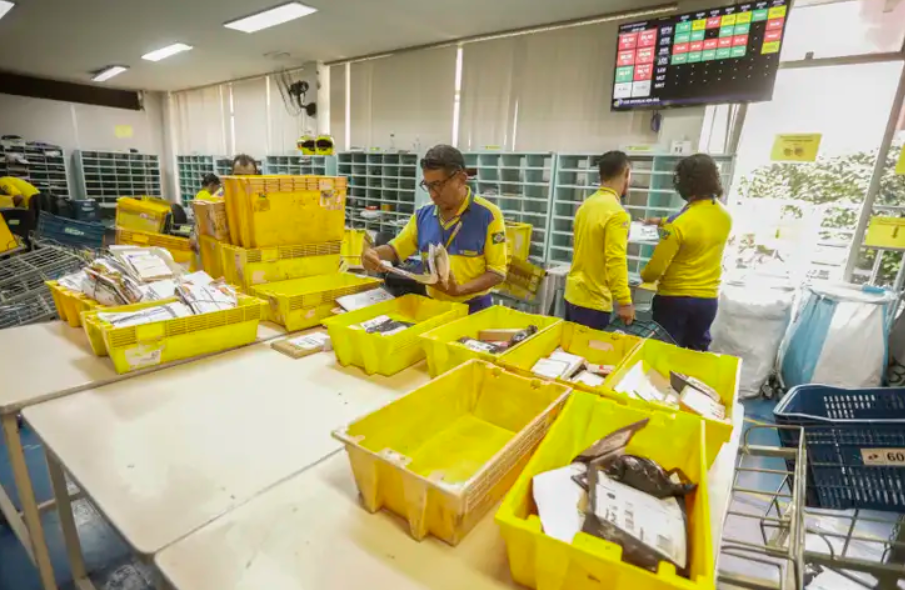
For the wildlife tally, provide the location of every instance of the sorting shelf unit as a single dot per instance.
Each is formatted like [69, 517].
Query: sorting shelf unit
[107, 176]
[384, 189]
[42, 165]
[651, 194]
[191, 172]
[300, 165]
[520, 184]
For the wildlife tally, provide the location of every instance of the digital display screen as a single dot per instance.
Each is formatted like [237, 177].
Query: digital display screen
[720, 55]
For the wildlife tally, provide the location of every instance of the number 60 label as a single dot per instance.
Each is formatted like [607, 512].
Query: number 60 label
[883, 457]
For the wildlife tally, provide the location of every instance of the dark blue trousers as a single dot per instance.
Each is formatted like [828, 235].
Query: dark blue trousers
[687, 319]
[479, 303]
[592, 318]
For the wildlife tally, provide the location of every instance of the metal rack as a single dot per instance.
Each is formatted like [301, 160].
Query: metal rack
[45, 166]
[24, 298]
[191, 170]
[107, 176]
[299, 165]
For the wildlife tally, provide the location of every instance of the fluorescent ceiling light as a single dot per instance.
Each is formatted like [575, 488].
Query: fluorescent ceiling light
[5, 6]
[108, 72]
[271, 18]
[166, 52]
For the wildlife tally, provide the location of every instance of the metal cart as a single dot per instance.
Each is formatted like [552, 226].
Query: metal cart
[24, 298]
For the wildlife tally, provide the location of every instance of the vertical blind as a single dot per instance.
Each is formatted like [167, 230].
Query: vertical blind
[338, 105]
[200, 118]
[250, 117]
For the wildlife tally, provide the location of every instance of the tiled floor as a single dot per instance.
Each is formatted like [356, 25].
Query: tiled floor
[113, 567]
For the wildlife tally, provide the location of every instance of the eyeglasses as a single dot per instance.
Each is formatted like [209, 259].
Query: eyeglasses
[437, 185]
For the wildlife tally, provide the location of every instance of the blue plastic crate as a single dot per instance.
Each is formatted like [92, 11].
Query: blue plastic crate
[640, 328]
[855, 440]
[70, 232]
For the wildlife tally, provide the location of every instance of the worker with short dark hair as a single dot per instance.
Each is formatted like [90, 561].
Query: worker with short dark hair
[245, 165]
[687, 263]
[469, 227]
[598, 279]
[210, 185]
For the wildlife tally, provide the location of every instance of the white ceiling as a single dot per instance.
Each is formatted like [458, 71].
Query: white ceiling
[68, 39]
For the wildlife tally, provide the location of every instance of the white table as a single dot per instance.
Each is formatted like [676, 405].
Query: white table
[165, 453]
[310, 533]
[41, 362]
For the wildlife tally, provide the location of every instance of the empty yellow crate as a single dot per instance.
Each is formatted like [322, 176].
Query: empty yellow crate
[518, 239]
[70, 304]
[599, 348]
[354, 244]
[148, 215]
[387, 355]
[179, 248]
[249, 267]
[719, 371]
[266, 211]
[211, 261]
[444, 454]
[303, 303]
[94, 328]
[674, 440]
[147, 345]
[444, 352]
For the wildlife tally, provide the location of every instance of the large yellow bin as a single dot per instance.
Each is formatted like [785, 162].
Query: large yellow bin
[675, 440]
[599, 348]
[445, 352]
[387, 355]
[179, 248]
[719, 371]
[265, 211]
[304, 303]
[248, 267]
[211, 262]
[70, 304]
[147, 215]
[444, 454]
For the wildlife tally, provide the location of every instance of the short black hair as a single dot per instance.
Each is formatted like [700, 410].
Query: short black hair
[245, 160]
[613, 164]
[698, 176]
[210, 178]
[443, 157]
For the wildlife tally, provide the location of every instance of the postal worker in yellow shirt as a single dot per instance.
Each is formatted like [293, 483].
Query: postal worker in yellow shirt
[16, 192]
[598, 279]
[469, 227]
[687, 263]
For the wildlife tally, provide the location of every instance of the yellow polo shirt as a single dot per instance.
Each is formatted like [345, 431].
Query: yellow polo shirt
[477, 246]
[204, 195]
[599, 273]
[13, 187]
[688, 261]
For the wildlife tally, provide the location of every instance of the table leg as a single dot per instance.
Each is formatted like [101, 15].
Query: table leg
[37, 546]
[67, 522]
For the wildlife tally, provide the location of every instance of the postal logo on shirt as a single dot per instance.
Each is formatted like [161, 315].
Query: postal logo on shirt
[499, 237]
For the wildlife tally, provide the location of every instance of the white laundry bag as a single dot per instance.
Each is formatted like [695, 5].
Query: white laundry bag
[839, 337]
[750, 324]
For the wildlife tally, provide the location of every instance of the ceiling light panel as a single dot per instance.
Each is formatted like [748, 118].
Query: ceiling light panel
[271, 18]
[5, 6]
[108, 72]
[166, 52]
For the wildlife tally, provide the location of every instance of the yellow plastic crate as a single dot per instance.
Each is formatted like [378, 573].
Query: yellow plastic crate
[303, 303]
[147, 215]
[387, 355]
[70, 304]
[266, 211]
[444, 454]
[179, 248]
[250, 267]
[719, 371]
[211, 261]
[354, 243]
[518, 238]
[674, 440]
[139, 347]
[600, 348]
[523, 280]
[444, 352]
[94, 328]
[885, 232]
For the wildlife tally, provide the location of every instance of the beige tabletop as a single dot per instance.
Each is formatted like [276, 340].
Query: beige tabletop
[48, 360]
[164, 453]
[310, 533]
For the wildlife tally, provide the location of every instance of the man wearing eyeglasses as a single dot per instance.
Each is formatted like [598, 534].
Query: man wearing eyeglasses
[469, 227]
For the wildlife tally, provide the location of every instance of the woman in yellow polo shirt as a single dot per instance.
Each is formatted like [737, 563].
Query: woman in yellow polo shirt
[210, 185]
[687, 263]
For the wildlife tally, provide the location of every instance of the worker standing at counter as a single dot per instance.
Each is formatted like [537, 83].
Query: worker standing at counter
[599, 273]
[469, 227]
[688, 261]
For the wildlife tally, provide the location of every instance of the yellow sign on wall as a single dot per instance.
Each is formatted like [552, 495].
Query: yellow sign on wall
[796, 147]
[123, 131]
[900, 165]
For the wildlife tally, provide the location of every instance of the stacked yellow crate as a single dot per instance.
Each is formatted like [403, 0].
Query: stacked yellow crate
[141, 221]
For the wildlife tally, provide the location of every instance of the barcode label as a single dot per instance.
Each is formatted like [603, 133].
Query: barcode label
[664, 544]
[629, 519]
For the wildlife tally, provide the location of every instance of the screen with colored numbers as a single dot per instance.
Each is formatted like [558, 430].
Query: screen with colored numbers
[728, 54]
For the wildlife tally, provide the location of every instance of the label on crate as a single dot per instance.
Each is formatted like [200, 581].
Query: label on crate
[883, 457]
[331, 201]
[73, 231]
[141, 356]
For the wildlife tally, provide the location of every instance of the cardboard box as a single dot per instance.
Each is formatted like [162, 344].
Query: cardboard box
[211, 220]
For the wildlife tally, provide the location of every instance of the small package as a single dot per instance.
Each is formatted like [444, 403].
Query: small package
[600, 370]
[549, 368]
[478, 346]
[588, 378]
[302, 346]
[498, 335]
[574, 363]
[697, 402]
[679, 382]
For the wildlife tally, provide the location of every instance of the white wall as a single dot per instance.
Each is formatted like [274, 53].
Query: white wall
[78, 126]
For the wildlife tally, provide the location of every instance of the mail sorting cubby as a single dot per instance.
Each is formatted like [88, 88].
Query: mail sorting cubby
[651, 194]
[384, 189]
[519, 183]
[191, 171]
[298, 165]
[107, 176]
